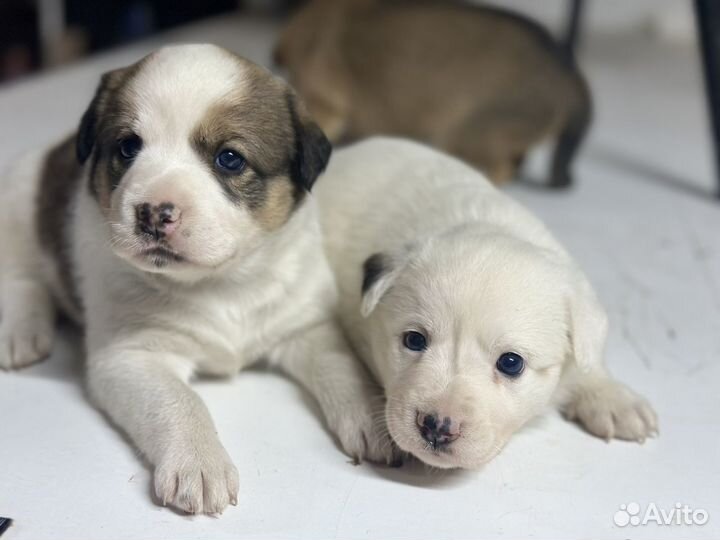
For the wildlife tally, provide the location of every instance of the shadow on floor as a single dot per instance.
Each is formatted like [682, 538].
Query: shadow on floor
[67, 359]
[650, 173]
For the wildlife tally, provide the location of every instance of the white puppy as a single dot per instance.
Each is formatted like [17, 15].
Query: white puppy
[463, 306]
[184, 238]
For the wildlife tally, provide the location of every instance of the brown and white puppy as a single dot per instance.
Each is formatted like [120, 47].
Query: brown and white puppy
[177, 226]
[481, 83]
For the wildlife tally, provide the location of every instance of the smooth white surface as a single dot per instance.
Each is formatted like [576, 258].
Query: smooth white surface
[652, 252]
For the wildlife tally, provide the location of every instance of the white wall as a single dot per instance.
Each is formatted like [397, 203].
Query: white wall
[666, 19]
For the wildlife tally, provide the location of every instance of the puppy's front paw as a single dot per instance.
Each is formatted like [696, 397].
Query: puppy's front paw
[609, 409]
[363, 434]
[197, 480]
[24, 342]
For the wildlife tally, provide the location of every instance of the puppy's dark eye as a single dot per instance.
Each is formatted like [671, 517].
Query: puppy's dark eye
[510, 364]
[230, 160]
[129, 147]
[414, 341]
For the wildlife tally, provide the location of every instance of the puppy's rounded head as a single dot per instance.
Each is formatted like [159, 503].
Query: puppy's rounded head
[470, 334]
[196, 157]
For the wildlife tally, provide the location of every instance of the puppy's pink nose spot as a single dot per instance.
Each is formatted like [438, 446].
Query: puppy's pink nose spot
[169, 218]
[168, 227]
[158, 221]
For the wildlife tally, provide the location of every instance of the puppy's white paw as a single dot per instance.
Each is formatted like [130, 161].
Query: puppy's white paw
[197, 480]
[24, 342]
[609, 409]
[363, 433]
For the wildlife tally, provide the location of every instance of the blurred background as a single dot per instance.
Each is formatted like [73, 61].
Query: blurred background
[39, 34]
[641, 57]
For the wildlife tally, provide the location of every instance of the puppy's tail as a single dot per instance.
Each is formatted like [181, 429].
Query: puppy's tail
[573, 132]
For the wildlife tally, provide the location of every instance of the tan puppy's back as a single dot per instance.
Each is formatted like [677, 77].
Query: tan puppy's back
[481, 83]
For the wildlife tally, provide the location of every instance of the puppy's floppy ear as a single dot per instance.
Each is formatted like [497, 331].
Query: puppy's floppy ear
[379, 273]
[588, 325]
[312, 149]
[88, 130]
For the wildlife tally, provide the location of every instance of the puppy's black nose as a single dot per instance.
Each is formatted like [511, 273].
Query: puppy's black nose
[157, 221]
[437, 433]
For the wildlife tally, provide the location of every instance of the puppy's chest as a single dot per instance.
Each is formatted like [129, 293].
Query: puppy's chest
[232, 329]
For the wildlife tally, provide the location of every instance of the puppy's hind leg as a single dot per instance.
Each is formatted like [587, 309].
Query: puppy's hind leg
[28, 321]
[496, 141]
[352, 403]
[27, 311]
[569, 141]
[492, 161]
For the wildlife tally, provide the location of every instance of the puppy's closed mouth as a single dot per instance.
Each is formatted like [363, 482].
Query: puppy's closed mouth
[161, 256]
[437, 450]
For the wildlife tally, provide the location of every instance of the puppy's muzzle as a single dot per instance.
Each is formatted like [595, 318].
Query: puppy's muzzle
[157, 221]
[436, 432]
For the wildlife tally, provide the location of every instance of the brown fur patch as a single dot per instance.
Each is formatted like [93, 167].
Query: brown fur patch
[258, 122]
[257, 127]
[280, 201]
[107, 120]
[59, 181]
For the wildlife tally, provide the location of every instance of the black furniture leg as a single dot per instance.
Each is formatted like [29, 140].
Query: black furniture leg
[707, 15]
[572, 26]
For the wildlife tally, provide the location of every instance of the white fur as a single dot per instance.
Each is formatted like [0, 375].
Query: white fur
[480, 276]
[242, 295]
[27, 314]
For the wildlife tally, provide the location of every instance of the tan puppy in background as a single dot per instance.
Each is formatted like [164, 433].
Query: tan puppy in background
[481, 83]
[464, 307]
